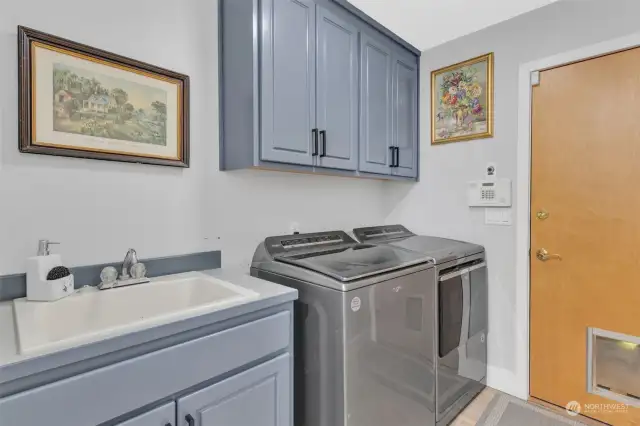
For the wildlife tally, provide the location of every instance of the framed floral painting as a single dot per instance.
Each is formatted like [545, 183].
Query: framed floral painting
[462, 101]
[79, 101]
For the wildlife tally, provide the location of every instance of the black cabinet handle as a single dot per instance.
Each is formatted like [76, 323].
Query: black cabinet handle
[314, 133]
[392, 148]
[397, 157]
[323, 135]
[190, 420]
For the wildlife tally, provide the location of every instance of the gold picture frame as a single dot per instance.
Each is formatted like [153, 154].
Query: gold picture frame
[462, 101]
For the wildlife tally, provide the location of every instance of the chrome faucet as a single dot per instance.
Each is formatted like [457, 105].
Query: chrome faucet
[133, 272]
[129, 260]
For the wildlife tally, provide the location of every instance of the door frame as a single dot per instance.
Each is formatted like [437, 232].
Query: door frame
[523, 187]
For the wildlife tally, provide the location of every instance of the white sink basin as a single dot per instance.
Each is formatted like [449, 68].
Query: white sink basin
[92, 315]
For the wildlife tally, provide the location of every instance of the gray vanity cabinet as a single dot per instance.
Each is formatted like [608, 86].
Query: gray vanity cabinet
[211, 373]
[259, 396]
[375, 105]
[405, 114]
[164, 415]
[337, 91]
[288, 84]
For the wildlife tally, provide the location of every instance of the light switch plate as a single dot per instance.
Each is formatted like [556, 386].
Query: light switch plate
[498, 216]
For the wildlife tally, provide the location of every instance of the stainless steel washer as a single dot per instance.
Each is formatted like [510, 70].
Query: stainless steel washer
[462, 312]
[364, 329]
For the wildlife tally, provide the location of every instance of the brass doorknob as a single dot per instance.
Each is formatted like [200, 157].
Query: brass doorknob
[543, 255]
[542, 215]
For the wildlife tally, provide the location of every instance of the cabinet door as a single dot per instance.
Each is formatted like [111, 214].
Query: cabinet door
[405, 114]
[375, 105]
[162, 416]
[337, 93]
[288, 81]
[260, 396]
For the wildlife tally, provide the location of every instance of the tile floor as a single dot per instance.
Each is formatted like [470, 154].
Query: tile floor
[474, 411]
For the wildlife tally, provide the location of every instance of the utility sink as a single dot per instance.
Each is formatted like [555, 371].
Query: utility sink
[91, 315]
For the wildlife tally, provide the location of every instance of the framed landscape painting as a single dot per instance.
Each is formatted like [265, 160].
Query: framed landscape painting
[79, 101]
[462, 101]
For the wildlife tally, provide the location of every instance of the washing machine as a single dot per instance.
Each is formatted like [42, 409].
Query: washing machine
[364, 328]
[461, 313]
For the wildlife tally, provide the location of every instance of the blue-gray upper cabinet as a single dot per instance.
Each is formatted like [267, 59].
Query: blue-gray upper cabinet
[164, 415]
[337, 91]
[405, 114]
[312, 86]
[288, 81]
[259, 396]
[376, 107]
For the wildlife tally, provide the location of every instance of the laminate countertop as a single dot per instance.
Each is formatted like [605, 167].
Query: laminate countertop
[15, 366]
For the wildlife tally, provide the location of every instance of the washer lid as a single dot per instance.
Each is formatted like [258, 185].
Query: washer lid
[355, 261]
[440, 249]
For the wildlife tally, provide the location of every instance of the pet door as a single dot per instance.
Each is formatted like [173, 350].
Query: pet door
[614, 366]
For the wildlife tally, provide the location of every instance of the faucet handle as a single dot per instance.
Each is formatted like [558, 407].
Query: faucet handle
[138, 270]
[108, 277]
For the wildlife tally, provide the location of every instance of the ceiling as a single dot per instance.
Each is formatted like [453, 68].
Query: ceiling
[427, 23]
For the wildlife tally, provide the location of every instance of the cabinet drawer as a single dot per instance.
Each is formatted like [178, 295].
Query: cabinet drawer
[108, 392]
[164, 415]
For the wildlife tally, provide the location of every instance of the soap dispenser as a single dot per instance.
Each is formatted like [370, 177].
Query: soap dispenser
[38, 267]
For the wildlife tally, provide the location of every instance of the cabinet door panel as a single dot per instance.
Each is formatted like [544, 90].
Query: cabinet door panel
[161, 416]
[405, 114]
[288, 80]
[135, 382]
[337, 90]
[260, 396]
[375, 105]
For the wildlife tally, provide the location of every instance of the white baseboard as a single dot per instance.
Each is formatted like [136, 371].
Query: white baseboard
[508, 382]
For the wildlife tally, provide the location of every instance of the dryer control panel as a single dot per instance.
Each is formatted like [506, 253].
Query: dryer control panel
[383, 232]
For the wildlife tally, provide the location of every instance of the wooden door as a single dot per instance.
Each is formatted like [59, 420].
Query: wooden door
[288, 83]
[585, 172]
[375, 105]
[337, 93]
[405, 113]
[260, 396]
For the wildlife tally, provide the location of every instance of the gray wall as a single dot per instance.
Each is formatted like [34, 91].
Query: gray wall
[99, 209]
[438, 204]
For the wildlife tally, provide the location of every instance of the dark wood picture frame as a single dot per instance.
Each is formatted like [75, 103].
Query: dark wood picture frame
[27, 36]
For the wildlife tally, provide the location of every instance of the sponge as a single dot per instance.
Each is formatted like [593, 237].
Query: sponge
[58, 272]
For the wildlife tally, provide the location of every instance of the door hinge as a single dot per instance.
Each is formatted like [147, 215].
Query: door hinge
[535, 78]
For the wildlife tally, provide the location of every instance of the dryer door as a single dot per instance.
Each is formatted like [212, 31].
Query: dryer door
[462, 306]
[462, 329]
